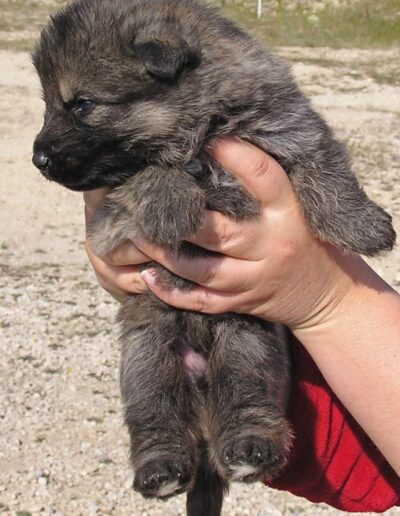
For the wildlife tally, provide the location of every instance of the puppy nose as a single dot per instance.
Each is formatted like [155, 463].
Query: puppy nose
[41, 160]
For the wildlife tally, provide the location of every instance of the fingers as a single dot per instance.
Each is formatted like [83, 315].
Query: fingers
[223, 280]
[118, 273]
[214, 272]
[227, 236]
[265, 180]
[117, 280]
[258, 173]
[198, 299]
[126, 254]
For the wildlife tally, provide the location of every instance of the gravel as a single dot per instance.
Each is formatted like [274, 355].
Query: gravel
[63, 447]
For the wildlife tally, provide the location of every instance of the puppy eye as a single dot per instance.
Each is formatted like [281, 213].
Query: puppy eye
[83, 107]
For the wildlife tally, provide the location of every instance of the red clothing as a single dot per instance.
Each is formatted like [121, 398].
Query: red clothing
[332, 460]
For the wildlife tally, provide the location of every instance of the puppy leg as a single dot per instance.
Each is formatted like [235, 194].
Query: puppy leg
[248, 378]
[336, 207]
[162, 449]
[166, 203]
[334, 204]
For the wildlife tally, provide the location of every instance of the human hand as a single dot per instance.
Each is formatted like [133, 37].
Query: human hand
[274, 268]
[271, 267]
[118, 273]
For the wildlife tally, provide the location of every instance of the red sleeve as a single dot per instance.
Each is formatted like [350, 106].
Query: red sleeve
[332, 460]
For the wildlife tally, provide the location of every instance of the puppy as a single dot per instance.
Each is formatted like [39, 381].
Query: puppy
[133, 90]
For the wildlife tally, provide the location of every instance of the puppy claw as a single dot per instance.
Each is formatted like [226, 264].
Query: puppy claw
[249, 458]
[161, 478]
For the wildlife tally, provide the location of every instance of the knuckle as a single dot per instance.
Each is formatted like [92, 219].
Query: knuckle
[219, 232]
[204, 302]
[221, 235]
[290, 250]
[209, 272]
[105, 284]
[225, 233]
[215, 310]
[200, 303]
[219, 308]
[114, 257]
[137, 285]
[261, 166]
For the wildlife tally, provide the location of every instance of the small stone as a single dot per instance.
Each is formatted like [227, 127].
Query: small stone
[43, 481]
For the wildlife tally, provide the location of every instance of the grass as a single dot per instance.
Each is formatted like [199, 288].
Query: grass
[353, 24]
[383, 71]
[21, 15]
[357, 23]
[22, 20]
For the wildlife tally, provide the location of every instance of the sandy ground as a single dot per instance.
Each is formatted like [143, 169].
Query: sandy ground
[63, 447]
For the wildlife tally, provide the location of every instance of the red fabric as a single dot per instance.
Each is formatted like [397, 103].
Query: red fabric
[332, 460]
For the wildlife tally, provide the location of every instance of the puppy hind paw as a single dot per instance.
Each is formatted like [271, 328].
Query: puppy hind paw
[161, 478]
[250, 458]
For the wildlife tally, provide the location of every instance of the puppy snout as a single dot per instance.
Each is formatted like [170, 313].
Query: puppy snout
[41, 160]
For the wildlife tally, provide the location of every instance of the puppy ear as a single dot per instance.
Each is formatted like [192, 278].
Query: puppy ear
[164, 59]
[163, 53]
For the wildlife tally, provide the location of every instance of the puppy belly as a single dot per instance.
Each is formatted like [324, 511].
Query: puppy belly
[194, 362]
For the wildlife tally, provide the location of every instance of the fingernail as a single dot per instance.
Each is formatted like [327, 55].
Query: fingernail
[149, 276]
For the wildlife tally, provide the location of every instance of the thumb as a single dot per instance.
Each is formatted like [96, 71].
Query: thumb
[260, 174]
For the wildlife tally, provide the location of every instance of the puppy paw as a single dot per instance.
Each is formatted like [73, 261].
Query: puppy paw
[162, 477]
[166, 204]
[170, 222]
[250, 458]
[370, 233]
[339, 211]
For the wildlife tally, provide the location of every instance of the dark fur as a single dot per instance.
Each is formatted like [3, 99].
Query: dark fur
[166, 75]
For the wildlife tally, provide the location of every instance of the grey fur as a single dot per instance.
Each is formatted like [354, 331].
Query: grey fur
[165, 76]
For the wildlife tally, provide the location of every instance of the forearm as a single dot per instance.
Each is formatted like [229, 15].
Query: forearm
[273, 267]
[357, 350]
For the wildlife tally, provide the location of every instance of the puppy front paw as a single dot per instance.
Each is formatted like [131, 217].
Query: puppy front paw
[362, 227]
[339, 211]
[167, 205]
[179, 214]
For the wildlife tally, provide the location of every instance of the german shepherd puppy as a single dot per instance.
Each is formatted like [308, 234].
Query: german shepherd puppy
[133, 91]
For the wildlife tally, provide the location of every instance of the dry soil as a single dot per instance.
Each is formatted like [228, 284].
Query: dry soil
[63, 447]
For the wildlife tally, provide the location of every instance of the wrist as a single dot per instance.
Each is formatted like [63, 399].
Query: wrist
[353, 297]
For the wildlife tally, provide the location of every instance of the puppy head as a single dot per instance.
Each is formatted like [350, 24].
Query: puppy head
[122, 90]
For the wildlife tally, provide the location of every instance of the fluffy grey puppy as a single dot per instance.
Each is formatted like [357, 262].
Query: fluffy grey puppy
[133, 90]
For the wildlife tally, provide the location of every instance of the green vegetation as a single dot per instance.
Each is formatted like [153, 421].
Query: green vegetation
[382, 71]
[352, 23]
[22, 20]
[356, 23]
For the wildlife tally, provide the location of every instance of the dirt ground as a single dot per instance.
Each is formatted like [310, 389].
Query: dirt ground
[63, 447]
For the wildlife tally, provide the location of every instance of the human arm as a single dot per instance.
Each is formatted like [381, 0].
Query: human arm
[273, 267]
